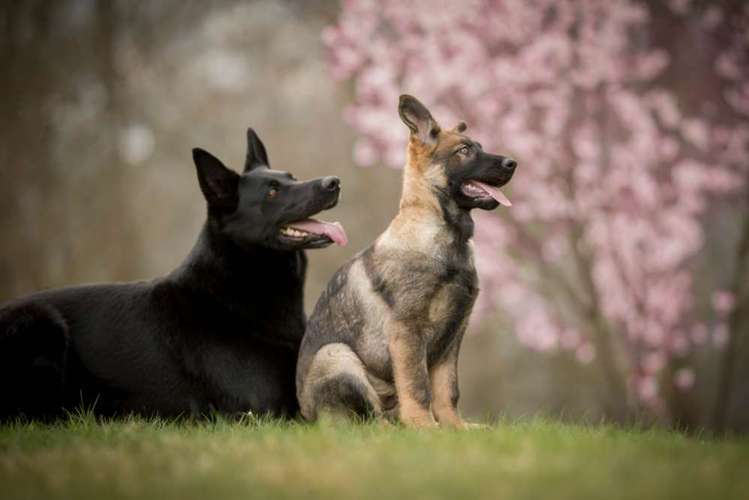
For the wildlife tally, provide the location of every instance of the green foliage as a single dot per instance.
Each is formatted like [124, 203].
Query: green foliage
[258, 458]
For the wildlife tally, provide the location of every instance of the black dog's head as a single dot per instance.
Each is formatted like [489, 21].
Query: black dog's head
[267, 207]
[452, 162]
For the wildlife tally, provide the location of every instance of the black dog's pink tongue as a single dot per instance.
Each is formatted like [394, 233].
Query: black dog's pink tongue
[333, 230]
[494, 192]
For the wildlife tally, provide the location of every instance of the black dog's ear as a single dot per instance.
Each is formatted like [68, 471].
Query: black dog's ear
[418, 119]
[219, 184]
[256, 154]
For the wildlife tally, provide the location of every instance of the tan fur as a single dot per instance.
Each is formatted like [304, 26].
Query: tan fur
[442, 406]
[411, 232]
[441, 376]
[402, 354]
[420, 172]
[419, 220]
[330, 361]
[371, 347]
[417, 226]
[416, 193]
[439, 308]
[403, 305]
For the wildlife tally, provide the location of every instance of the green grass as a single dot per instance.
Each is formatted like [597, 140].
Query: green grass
[535, 459]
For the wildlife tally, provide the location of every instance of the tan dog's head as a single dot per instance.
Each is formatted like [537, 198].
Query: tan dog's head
[451, 163]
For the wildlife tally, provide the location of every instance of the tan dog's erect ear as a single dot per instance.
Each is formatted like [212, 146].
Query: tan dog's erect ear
[418, 119]
[460, 127]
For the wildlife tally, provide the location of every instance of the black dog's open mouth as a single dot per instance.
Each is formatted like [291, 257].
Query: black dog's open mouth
[315, 232]
[480, 191]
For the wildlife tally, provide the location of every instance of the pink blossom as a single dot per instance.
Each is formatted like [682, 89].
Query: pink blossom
[727, 67]
[647, 388]
[680, 345]
[712, 17]
[585, 354]
[699, 334]
[720, 335]
[684, 378]
[723, 301]
[654, 362]
[696, 132]
[569, 339]
[364, 152]
[679, 6]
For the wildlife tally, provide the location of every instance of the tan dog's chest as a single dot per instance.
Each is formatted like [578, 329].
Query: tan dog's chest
[432, 295]
[448, 304]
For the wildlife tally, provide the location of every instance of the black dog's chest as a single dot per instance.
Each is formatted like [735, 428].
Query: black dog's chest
[265, 367]
[237, 346]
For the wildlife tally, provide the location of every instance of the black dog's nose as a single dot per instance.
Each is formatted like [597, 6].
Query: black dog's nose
[331, 183]
[509, 163]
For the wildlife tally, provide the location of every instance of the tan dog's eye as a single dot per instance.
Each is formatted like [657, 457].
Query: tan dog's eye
[464, 151]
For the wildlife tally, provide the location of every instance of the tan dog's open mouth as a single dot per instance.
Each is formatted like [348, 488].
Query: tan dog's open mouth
[479, 190]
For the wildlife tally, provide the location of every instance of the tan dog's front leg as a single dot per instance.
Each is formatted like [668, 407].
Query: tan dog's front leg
[445, 392]
[408, 354]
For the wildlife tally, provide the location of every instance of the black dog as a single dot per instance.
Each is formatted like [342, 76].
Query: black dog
[220, 333]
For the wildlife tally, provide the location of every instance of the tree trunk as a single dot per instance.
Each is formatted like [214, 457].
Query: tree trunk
[737, 325]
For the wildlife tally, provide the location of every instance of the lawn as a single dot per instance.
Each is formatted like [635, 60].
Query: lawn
[534, 459]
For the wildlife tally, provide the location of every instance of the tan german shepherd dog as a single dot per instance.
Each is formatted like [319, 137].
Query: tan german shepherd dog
[384, 337]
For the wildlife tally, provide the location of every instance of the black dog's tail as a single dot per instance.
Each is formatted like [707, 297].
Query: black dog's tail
[33, 350]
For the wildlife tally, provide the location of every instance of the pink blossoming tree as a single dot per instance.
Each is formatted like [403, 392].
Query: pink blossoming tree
[597, 254]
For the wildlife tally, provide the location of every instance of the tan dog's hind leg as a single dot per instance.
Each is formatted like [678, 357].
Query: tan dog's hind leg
[408, 355]
[337, 384]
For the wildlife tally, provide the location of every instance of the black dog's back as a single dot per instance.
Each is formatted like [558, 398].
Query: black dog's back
[167, 347]
[40, 361]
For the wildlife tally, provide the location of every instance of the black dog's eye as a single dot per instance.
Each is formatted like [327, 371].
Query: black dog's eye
[464, 151]
[273, 190]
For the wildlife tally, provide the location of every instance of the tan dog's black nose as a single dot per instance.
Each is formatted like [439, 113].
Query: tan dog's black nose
[509, 164]
[331, 183]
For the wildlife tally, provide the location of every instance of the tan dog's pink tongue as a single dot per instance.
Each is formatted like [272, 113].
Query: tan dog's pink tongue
[333, 230]
[495, 193]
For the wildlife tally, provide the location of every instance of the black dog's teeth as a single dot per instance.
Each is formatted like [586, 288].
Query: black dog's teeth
[294, 233]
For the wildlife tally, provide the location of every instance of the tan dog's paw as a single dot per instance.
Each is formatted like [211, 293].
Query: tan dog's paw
[475, 426]
[419, 422]
[454, 423]
[463, 425]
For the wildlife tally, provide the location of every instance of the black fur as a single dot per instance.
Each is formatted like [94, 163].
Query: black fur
[220, 333]
[379, 285]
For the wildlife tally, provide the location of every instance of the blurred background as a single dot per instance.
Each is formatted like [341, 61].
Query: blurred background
[614, 288]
